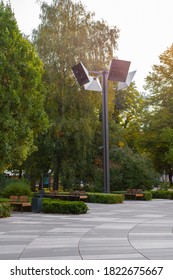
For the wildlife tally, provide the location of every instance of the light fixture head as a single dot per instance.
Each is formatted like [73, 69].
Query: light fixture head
[93, 85]
[123, 85]
[81, 74]
[118, 70]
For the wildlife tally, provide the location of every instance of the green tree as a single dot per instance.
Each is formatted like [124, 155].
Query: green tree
[69, 34]
[22, 115]
[38, 164]
[158, 125]
[131, 170]
[129, 165]
[128, 113]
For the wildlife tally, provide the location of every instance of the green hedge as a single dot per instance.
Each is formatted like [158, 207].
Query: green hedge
[162, 194]
[105, 198]
[118, 192]
[5, 210]
[18, 187]
[147, 195]
[63, 207]
[4, 200]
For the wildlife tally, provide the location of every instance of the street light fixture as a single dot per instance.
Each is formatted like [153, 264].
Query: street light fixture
[81, 74]
[118, 72]
[93, 85]
[123, 85]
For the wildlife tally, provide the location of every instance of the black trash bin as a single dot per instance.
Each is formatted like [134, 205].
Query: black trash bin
[36, 204]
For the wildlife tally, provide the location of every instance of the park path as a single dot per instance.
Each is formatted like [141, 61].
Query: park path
[133, 230]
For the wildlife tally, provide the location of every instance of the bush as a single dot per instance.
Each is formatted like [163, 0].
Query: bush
[5, 210]
[105, 198]
[4, 200]
[63, 207]
[162, 194]
[147, 195]
[164, 185]
[17, 187]
[130, 170]
[118, 192]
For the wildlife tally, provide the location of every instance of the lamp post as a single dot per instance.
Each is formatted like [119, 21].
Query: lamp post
[105, 131]
[118, 72]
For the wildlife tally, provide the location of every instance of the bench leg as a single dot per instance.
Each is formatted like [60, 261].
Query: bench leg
[21, 208]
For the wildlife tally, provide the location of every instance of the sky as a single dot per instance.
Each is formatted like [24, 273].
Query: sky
[145, 28]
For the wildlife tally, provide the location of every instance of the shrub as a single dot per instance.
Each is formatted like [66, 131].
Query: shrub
[130, 170]
[105, 198]
[4, 200]
[5, 210]
[147, 195]
[17, 187]
[63, 207]
[164, 185]
[118, 192]
[162, 194]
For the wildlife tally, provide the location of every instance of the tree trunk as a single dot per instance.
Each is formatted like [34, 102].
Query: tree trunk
[33, 186]
[57, 169]
[20, 174]
[170, 178]
[40, 187]
[56, 181]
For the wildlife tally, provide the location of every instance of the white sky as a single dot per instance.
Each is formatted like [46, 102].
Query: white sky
[146, 27]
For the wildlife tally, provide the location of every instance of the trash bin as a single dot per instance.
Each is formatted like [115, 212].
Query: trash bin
[36, 204]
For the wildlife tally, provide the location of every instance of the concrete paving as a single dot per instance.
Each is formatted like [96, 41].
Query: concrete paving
[134, 230]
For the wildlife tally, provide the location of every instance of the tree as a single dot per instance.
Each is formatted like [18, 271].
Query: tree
[130, 167]
[131, 170]
[22, 115]
[158, 125]
[128, 113]
[69, 34]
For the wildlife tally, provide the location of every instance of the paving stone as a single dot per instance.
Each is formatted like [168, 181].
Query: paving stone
[52, 252]
[132, 230]
[134, 256]
[9, 256]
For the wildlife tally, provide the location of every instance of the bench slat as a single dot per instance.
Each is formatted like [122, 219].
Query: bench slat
[134, 192]
[21, 201]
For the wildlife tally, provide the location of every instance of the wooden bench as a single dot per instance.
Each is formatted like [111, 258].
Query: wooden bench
[72, 196]
[135, 193]
[80, 195]
[21, 201]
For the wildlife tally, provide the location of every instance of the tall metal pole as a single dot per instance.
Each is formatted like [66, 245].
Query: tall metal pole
[118, 73]
[105, 131]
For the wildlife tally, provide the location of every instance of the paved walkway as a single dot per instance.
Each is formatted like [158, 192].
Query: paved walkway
[132, 230]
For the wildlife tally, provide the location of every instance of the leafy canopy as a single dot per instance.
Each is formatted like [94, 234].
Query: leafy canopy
[22, 115]
[158, 125]
[66, 35]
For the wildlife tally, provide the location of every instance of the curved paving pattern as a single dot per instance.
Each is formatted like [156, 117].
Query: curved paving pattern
[132, 230]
